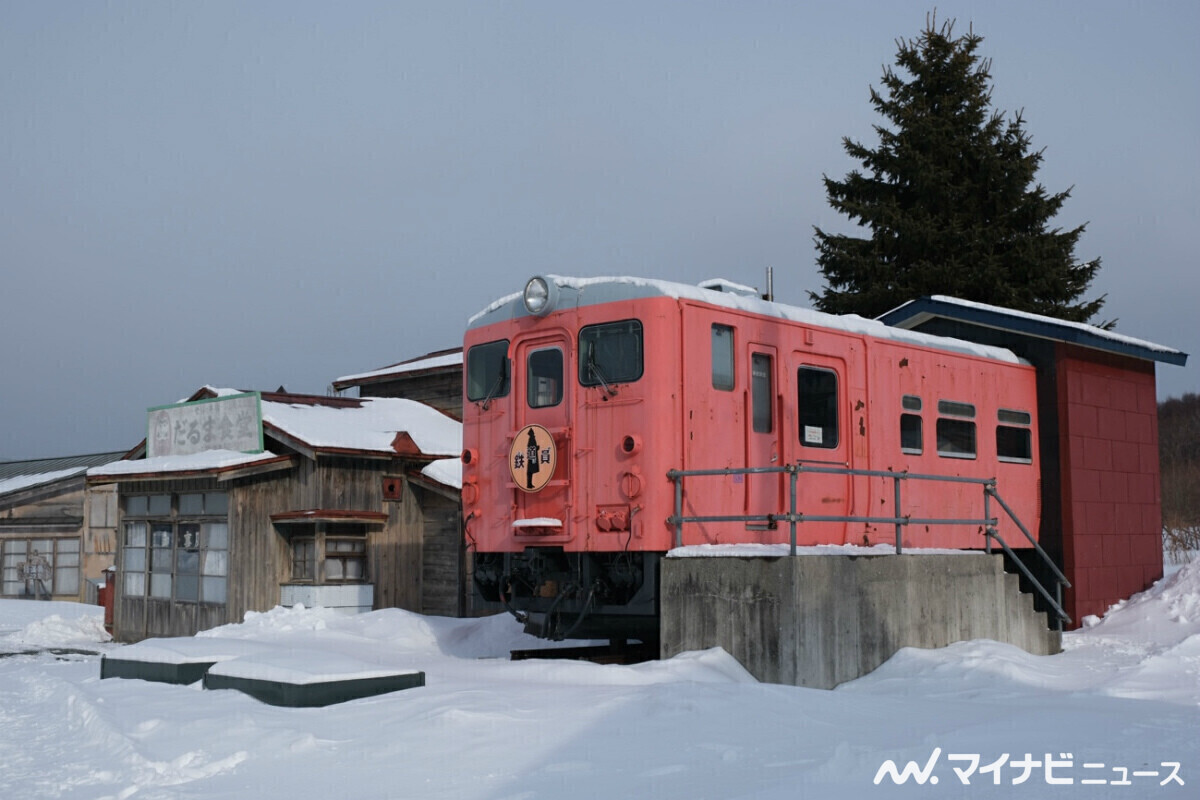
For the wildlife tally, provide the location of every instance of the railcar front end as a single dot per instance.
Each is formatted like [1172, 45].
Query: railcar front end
[567, 425]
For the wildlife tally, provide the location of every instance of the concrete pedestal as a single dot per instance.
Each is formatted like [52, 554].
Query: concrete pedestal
[822, 620]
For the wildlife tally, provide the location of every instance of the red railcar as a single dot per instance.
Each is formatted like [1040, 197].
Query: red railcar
[581, 395]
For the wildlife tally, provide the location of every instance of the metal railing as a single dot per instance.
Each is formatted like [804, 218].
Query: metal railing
[794, 517]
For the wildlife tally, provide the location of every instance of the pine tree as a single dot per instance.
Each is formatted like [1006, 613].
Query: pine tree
[946, 198]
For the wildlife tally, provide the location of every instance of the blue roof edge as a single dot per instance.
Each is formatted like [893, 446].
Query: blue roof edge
[915, 312]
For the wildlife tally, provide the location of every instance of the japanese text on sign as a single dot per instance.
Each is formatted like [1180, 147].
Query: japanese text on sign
[225, 423]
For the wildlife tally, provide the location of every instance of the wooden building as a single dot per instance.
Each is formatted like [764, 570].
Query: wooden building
[1098, 423]
[435, 379]
[241, 501]
[54, 535]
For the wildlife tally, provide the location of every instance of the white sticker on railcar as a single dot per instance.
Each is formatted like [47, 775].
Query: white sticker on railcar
[814, 435]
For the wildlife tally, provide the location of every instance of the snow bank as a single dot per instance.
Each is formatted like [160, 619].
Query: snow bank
[1146, 647]
[56, 631]
[29, 624]
[1123, 699]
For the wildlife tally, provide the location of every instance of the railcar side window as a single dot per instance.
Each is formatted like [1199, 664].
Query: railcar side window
[487, 371]
[545, 378]
[956, 429]
[818, 405]
[1014, 441]
[912, 438]
[1014, 417]
[762, 396]
[722, 357]
[610, 353]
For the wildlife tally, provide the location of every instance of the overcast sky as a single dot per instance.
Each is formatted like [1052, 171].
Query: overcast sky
[264, 194]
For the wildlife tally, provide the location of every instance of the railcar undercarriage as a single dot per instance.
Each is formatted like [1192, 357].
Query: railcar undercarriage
[559, 595]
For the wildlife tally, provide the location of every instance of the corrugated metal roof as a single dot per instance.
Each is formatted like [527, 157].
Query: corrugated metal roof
[41, 466]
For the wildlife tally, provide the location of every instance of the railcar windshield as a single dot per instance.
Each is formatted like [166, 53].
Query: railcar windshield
[487, 371]
[610, 353]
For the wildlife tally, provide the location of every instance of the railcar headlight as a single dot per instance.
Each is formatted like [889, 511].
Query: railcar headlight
[540, 295]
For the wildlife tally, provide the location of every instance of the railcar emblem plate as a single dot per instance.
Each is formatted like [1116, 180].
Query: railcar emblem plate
[532, 458]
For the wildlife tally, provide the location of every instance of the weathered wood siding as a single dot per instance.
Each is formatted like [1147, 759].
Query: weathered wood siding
[414, 559]
[259, 556]
[262, 551]
[135, 619]
[100, 530]
[443, 560]
[57, 507]
[394, 553]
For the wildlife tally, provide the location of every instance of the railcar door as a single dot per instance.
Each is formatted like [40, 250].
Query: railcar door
[821, 440]
[763, 424]
[542, 418]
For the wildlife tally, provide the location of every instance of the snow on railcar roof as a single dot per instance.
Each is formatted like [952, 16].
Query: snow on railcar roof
[580, 292]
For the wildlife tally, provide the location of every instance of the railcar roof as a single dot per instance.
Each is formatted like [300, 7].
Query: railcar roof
[583, 292]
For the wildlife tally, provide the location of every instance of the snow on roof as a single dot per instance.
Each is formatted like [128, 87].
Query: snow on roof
[216, 391]
[189, 650]
[1080, 326]
[207, 460]
[404, 367]
[55, 464]
[370, 425]
[446, 471]
[723, 285]
[18, 482]
[915, 312]
[578, 292]
[303, 667]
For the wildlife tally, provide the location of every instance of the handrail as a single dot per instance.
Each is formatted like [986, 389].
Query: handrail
[793, 517]
[1060, 580]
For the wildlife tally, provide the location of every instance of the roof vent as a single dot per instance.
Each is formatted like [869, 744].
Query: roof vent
[729, 287]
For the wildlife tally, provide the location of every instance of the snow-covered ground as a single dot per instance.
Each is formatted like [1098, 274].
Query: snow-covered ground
[978, 719]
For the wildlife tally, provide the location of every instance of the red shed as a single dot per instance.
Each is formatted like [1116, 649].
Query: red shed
[1101, 514]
